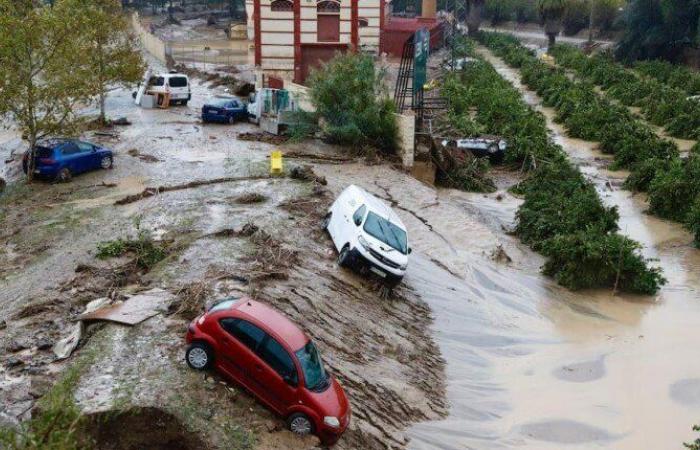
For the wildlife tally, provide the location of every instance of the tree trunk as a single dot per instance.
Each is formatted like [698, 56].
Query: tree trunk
[474, 16]
[551, 29]
[103, 114]
[32, 157]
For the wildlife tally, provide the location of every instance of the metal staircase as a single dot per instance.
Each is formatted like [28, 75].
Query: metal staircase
[403, 93]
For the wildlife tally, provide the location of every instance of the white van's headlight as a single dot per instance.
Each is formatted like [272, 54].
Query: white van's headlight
[331, 421]
[363, 242]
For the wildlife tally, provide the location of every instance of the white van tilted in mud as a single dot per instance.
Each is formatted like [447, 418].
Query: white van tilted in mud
[368, 234]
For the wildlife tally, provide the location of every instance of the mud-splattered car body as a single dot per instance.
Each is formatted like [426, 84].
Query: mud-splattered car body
[270, 356]
[368, 235]
[60, 159]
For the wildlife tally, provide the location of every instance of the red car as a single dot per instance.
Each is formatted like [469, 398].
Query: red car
[269, 355]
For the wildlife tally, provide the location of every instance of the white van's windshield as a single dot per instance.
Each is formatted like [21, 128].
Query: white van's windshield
[386, 232]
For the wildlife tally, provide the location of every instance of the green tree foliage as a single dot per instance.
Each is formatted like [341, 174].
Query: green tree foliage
[44, 76]
[659, 29]
[109, 47]
[561, 216]
[695, 445]
[499, 11]
[525, 11]
[58, 58]
[349, 95]
[551, 13]
[606, 13]
[576, 16]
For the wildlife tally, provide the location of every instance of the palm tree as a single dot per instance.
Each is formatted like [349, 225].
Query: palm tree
[551, 13]
[475, 8]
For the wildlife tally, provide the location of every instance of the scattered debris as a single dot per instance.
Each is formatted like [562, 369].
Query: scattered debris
[121, 121]
[190, 300]
[142, 156]
[251, 197]
[336, 159]
[152, 191]
[500, 255]
[64, 348]
[262, 137]
[306, 173]
[132, 311]
[3, 183]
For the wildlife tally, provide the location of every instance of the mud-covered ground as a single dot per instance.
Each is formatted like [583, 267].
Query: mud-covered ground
[378, 345]
[475, 350]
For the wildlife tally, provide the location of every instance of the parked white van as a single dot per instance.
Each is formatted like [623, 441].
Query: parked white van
[368, 235]
[173, 83]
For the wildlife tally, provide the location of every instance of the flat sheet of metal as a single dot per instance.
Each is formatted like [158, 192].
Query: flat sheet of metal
[132, 311]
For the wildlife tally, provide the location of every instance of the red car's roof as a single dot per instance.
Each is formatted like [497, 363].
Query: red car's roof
[274, 321]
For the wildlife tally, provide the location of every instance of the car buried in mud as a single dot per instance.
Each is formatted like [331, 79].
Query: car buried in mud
[272, 358]
[368, 235]
[492, 147]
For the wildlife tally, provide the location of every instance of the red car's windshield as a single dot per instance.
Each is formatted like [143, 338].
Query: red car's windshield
[314, 373]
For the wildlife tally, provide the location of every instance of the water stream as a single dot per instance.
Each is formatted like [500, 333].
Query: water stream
[532, 365]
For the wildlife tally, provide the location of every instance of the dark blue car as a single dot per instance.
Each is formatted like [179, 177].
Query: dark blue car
[60, 159]
[224, 110]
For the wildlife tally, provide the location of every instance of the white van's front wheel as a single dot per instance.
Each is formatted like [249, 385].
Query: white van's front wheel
[344, 256]
[326, 221]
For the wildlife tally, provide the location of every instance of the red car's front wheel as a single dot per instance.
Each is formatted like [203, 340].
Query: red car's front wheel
[199, 356]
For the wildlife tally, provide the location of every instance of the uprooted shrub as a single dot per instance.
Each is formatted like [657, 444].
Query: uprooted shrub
[558, 200]
[563, 218]
[350, 96]
[145, 251]
[590, 259]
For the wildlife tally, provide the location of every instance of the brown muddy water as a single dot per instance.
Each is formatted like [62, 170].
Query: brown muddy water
[531, 365]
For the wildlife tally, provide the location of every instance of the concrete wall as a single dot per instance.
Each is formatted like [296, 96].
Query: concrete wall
[407, 129]
[151, 43]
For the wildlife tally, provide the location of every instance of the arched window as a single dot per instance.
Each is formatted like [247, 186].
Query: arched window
[328, 6]
[281, 5]
[362, 22]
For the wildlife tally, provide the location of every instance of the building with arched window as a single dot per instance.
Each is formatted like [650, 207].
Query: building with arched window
[290, 37]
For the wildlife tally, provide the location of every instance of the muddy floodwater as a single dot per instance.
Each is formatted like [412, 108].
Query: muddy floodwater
[531, 365]
[476, 349]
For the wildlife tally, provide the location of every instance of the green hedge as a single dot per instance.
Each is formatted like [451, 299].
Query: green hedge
[562, 216]
[654, 163]
[664, 105]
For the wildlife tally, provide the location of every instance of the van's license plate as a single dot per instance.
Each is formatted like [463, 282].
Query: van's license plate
[377, 271]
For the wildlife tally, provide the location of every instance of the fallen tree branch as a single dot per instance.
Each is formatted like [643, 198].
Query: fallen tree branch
[152, 191]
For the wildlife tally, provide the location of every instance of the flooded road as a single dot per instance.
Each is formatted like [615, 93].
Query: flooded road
[531, 365]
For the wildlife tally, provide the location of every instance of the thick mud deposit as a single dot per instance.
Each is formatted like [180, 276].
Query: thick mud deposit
[380, 347]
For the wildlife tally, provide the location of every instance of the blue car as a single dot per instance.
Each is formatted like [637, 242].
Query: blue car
[224, 110]
[60, 159]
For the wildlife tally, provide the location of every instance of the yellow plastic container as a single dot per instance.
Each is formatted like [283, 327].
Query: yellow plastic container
[276, 162]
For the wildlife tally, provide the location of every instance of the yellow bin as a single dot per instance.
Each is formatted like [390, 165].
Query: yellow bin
[276, 162]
